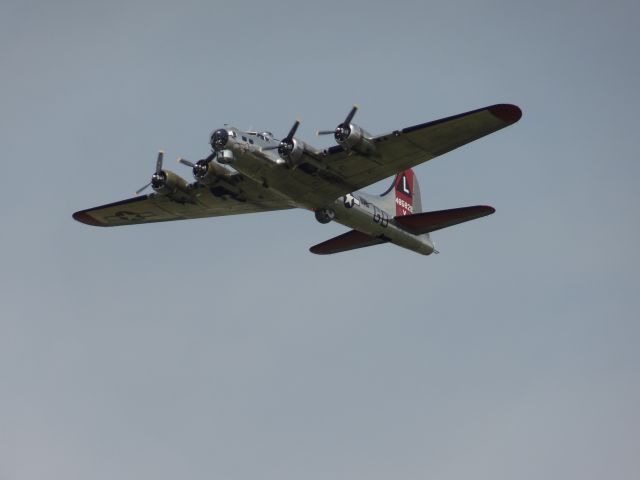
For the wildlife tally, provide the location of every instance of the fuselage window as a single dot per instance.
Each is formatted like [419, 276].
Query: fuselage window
[244, 139]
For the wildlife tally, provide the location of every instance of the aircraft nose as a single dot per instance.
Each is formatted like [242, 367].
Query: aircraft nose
[219, 139]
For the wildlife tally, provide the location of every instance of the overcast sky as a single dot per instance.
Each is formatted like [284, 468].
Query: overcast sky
[223, 349]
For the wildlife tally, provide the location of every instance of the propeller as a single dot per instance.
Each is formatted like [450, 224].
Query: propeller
[342, 131]
[286, 145]
[158, 178]
[201, 167]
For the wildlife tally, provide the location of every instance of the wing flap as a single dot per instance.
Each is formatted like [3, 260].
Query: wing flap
[345, 242]
[427, 222]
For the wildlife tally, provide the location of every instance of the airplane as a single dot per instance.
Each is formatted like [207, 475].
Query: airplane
[252, 171]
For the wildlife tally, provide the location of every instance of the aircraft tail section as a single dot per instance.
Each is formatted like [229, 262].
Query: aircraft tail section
[421, 223]
[347, 241]
[403, 196]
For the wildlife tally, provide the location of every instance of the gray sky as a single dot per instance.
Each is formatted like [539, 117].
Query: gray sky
[221, 348]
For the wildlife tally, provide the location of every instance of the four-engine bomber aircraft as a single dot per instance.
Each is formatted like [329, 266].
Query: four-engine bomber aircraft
[254, 172]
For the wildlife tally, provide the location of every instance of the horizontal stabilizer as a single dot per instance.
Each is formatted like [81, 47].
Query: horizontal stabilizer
[426, 222]
[347, 241]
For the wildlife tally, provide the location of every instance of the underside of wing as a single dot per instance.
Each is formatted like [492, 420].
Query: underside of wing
[402, 149]
[204, 202]
[427, 222]
[345, 242]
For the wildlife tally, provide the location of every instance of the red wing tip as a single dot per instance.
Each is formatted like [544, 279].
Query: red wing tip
[506, 112]
[488, 209]
[83, 217]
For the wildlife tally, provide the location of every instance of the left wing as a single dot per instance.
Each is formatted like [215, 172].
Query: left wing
[204, 202]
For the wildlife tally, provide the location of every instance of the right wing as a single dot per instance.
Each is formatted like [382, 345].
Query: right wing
[205, 201]
[348, 171]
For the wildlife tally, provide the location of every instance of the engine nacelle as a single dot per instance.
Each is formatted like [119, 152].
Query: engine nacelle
[219, 139]
[169, 183]
[353, 137]
[208, 172]
[292, 151]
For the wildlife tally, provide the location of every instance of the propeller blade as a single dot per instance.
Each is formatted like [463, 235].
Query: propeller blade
[352, 113]
[140, 190]
[186, 162]
[159, 162]
[271, 147]
[345, 124]
[293, 130]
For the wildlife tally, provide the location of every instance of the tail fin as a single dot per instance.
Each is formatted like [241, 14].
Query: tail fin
[403, 196]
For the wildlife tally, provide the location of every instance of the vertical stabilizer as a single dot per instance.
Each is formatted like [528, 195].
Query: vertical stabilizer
[403, 196]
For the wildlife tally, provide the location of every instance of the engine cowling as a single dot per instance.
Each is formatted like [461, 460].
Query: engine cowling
[166, 182]
[219, 139]
[353, 137]
[208, 171]
[291, 151]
